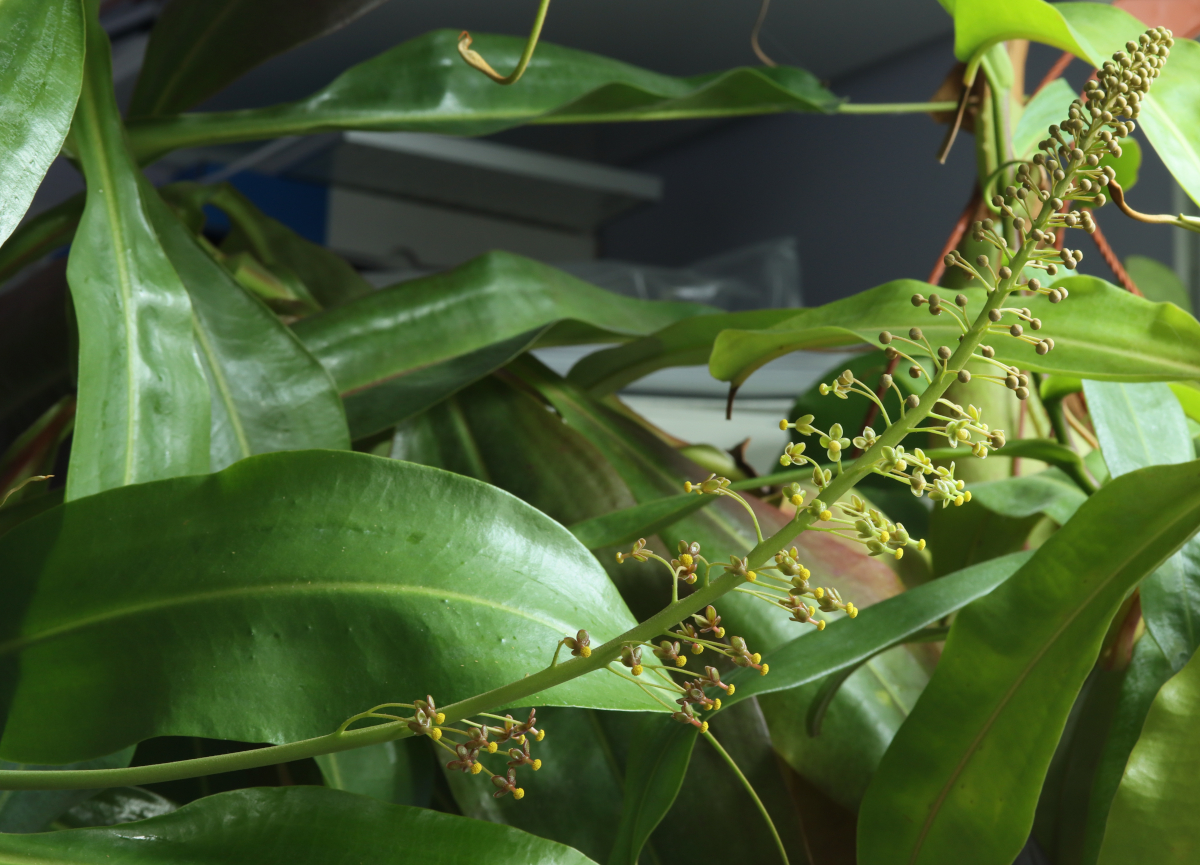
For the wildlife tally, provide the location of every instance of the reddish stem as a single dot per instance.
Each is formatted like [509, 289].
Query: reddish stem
[1114, 263]
[1056, 71]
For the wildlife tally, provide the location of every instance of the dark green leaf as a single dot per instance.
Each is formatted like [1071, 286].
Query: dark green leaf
[41, 71]
[117, 805]
[1157, 281]
[658, 762]
[1010, 672]
[1143, 425]
[358, 579]
[1045, 450]
[198, 47]
[268, 392]
[625, 526]
[424, 85]
[143, 401]
[1049, 492]
[959, 537]
[33, 810]
[399, 772]
[847, 642]
[478, 314]
[301, 825]
[1151, 816]
[1101, 332]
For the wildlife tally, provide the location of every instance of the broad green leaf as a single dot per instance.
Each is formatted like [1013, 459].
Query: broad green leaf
[980, 24]
[33, 810]
[1170, 114]
[1151, 815]
[399, 772]
[301, 825]
[198, 47]
[1157, 281]
[960, 537]
[359, 579]
[268, 392]
[1142, 425]
[685, 343]
[143, 401]
[36, 238]
[1100, 332]
[1189, 399]
[1044, 450]
[1049, 492]
[424, 85]
[117, 805]
[1148, 671]
[372, 344]
[1049, 105]
[1012, 666]
[41, 72]
[658, 762]
[815, 655]
[584, 744]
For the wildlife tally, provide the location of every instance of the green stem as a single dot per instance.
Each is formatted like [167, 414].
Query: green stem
[895, 107]
[507, 695]
[749, 789]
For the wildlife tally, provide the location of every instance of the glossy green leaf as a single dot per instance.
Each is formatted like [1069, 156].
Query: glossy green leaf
[117, 805]
[33, 810]
[815, 655]
[302, 825]
[980, 24]
[1049, 492]
[143, 401]
[41, 72]
[198, 47]
[685, 343]
[1157, 281]
[1189, 399]
[268, 392]
[360, 579]
[494, 305]
[1101, 332]
[1151, 816]
[34, 239]
[399, 772]
[960, 537]
[1148, 671]
[1142, 425]
[1012, 666]
[1049, 105]
[581, 744]
[424, 85]
[658, 762]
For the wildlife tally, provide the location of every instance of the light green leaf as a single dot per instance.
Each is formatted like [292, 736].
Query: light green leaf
[1101, 332]
[1049, 105]
[494, 304]
[198, 47]
[300, 825]
[980, 24]
[268, 392]
[41, 72]
[358, 579]
[1151, 815]
[1049, 492]
[1142, 425]
[1012, 667]
[1157, 281]
[143, 401]
[424, 85]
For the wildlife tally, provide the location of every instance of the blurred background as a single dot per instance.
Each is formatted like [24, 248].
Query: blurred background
[784, 210]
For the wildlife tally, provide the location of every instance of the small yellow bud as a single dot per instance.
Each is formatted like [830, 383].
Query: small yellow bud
[820, 624]
[435, 734]
[717, 703]
[620, 558]
[751, 576]
[542, 733]
[519, 793]
[680, 661]
[697, 648]
[704, 727]
[827, 514]
[491, 748]
[967, 496]
[686, 559]
[441, 717]
[797, 500]
[687, 486]
[783, 425]
[537, 764]
[720, 632]
[851, 611]
[585, 651]
[899, 553]
[884, 537]
[476, 768]
[920, 544]
[766, 669]
[756, 657]
[958, 501]
[637, 669]
[730, 691]
[520, 740]
[818, 593]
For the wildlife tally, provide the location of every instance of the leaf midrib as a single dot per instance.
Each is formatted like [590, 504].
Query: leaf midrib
[26, 641]
[1020, 680]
